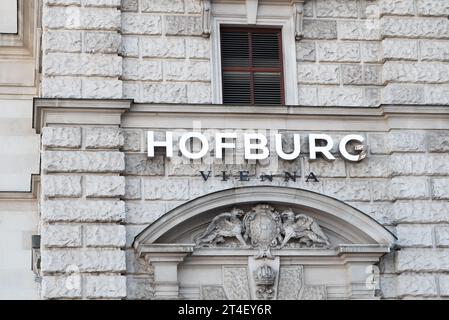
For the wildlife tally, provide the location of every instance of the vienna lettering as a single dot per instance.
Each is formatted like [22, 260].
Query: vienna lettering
[256, 145]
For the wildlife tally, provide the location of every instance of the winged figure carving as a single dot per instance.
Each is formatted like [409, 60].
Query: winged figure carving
[225, 225]
[303, 228]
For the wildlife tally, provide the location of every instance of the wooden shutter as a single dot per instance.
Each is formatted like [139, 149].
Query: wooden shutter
[252, 66]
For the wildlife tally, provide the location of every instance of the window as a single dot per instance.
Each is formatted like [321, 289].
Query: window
[8, 16]
[252, 68]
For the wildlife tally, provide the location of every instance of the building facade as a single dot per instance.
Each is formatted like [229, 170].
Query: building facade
[225, 149]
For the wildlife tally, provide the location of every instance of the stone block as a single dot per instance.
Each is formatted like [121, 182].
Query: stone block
[341, 96]
[371, 51]
[432, 8]
[417, 28]
[414, 235]
[104, 236]
[410, 187]
[338, 51]
[320, 29]
[61, 41]
[81, 18]
[442, 236]
[416, 285]
[324, 168]
[132, 140]
[337, 8]
[102, 42]
[419, 164]
[129, 46]
[61, 235]
[132, 188]
[61, 186]
[84, 260]
[136, 23]
[200, 93]
[104, 186]
[443, 281]
[186, 70]
[394, 49]
[173, 6]
[307, 95]
[183, 25]
[305, 51]
[56, 287]
[168, 47]
[438, 141]
[357, 74]
[355, 190]
[164, 93]
[357, 30]
[129, 5]
[403, 94]
[137, 69]
[440, 188]
[141, 164]
[371, 167]
[61, 137]
[139, 287]
[166, 189]
[421, 211]
[104, 138]
[102, 286]
[66, 64]
[434, 50]
[318, 73]
[61, 87]
[144, 212]
[423, 260]
[82, 211]
[79, 161]
[101, 89]
[397, 7]
[426, 72]
[199, 48]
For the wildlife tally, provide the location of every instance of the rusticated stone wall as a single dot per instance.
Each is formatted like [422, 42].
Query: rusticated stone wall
[99, 190]
[83, 236]
[354, 53]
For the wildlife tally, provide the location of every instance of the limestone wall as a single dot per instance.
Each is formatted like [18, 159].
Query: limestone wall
[99, 190]
[354, 53]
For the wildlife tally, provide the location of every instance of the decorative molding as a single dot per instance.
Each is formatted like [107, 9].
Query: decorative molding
[351, 223]
[73, 111]
[298, 18]
[267, 14]
[206, 18]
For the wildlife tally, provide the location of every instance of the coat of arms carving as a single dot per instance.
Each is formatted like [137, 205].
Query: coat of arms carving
[263, 228]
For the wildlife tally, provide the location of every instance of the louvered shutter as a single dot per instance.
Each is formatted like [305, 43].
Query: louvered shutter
[252, 66]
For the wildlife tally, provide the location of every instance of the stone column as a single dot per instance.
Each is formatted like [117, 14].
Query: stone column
[165, 260]
[81, 213]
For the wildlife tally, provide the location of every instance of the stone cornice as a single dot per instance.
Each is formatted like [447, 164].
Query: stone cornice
[78, 111]
[128, 114]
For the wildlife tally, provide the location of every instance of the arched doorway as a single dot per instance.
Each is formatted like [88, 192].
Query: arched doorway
[264, 243]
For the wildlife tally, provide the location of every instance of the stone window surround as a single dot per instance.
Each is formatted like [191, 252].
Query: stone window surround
[283, 18]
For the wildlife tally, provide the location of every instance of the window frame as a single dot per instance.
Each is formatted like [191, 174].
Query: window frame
[281, 18]
[251, 69]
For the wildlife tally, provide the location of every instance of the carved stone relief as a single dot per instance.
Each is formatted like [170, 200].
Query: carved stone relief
[213, 293]
[290, 282]
[263, 228]
[235, 282]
